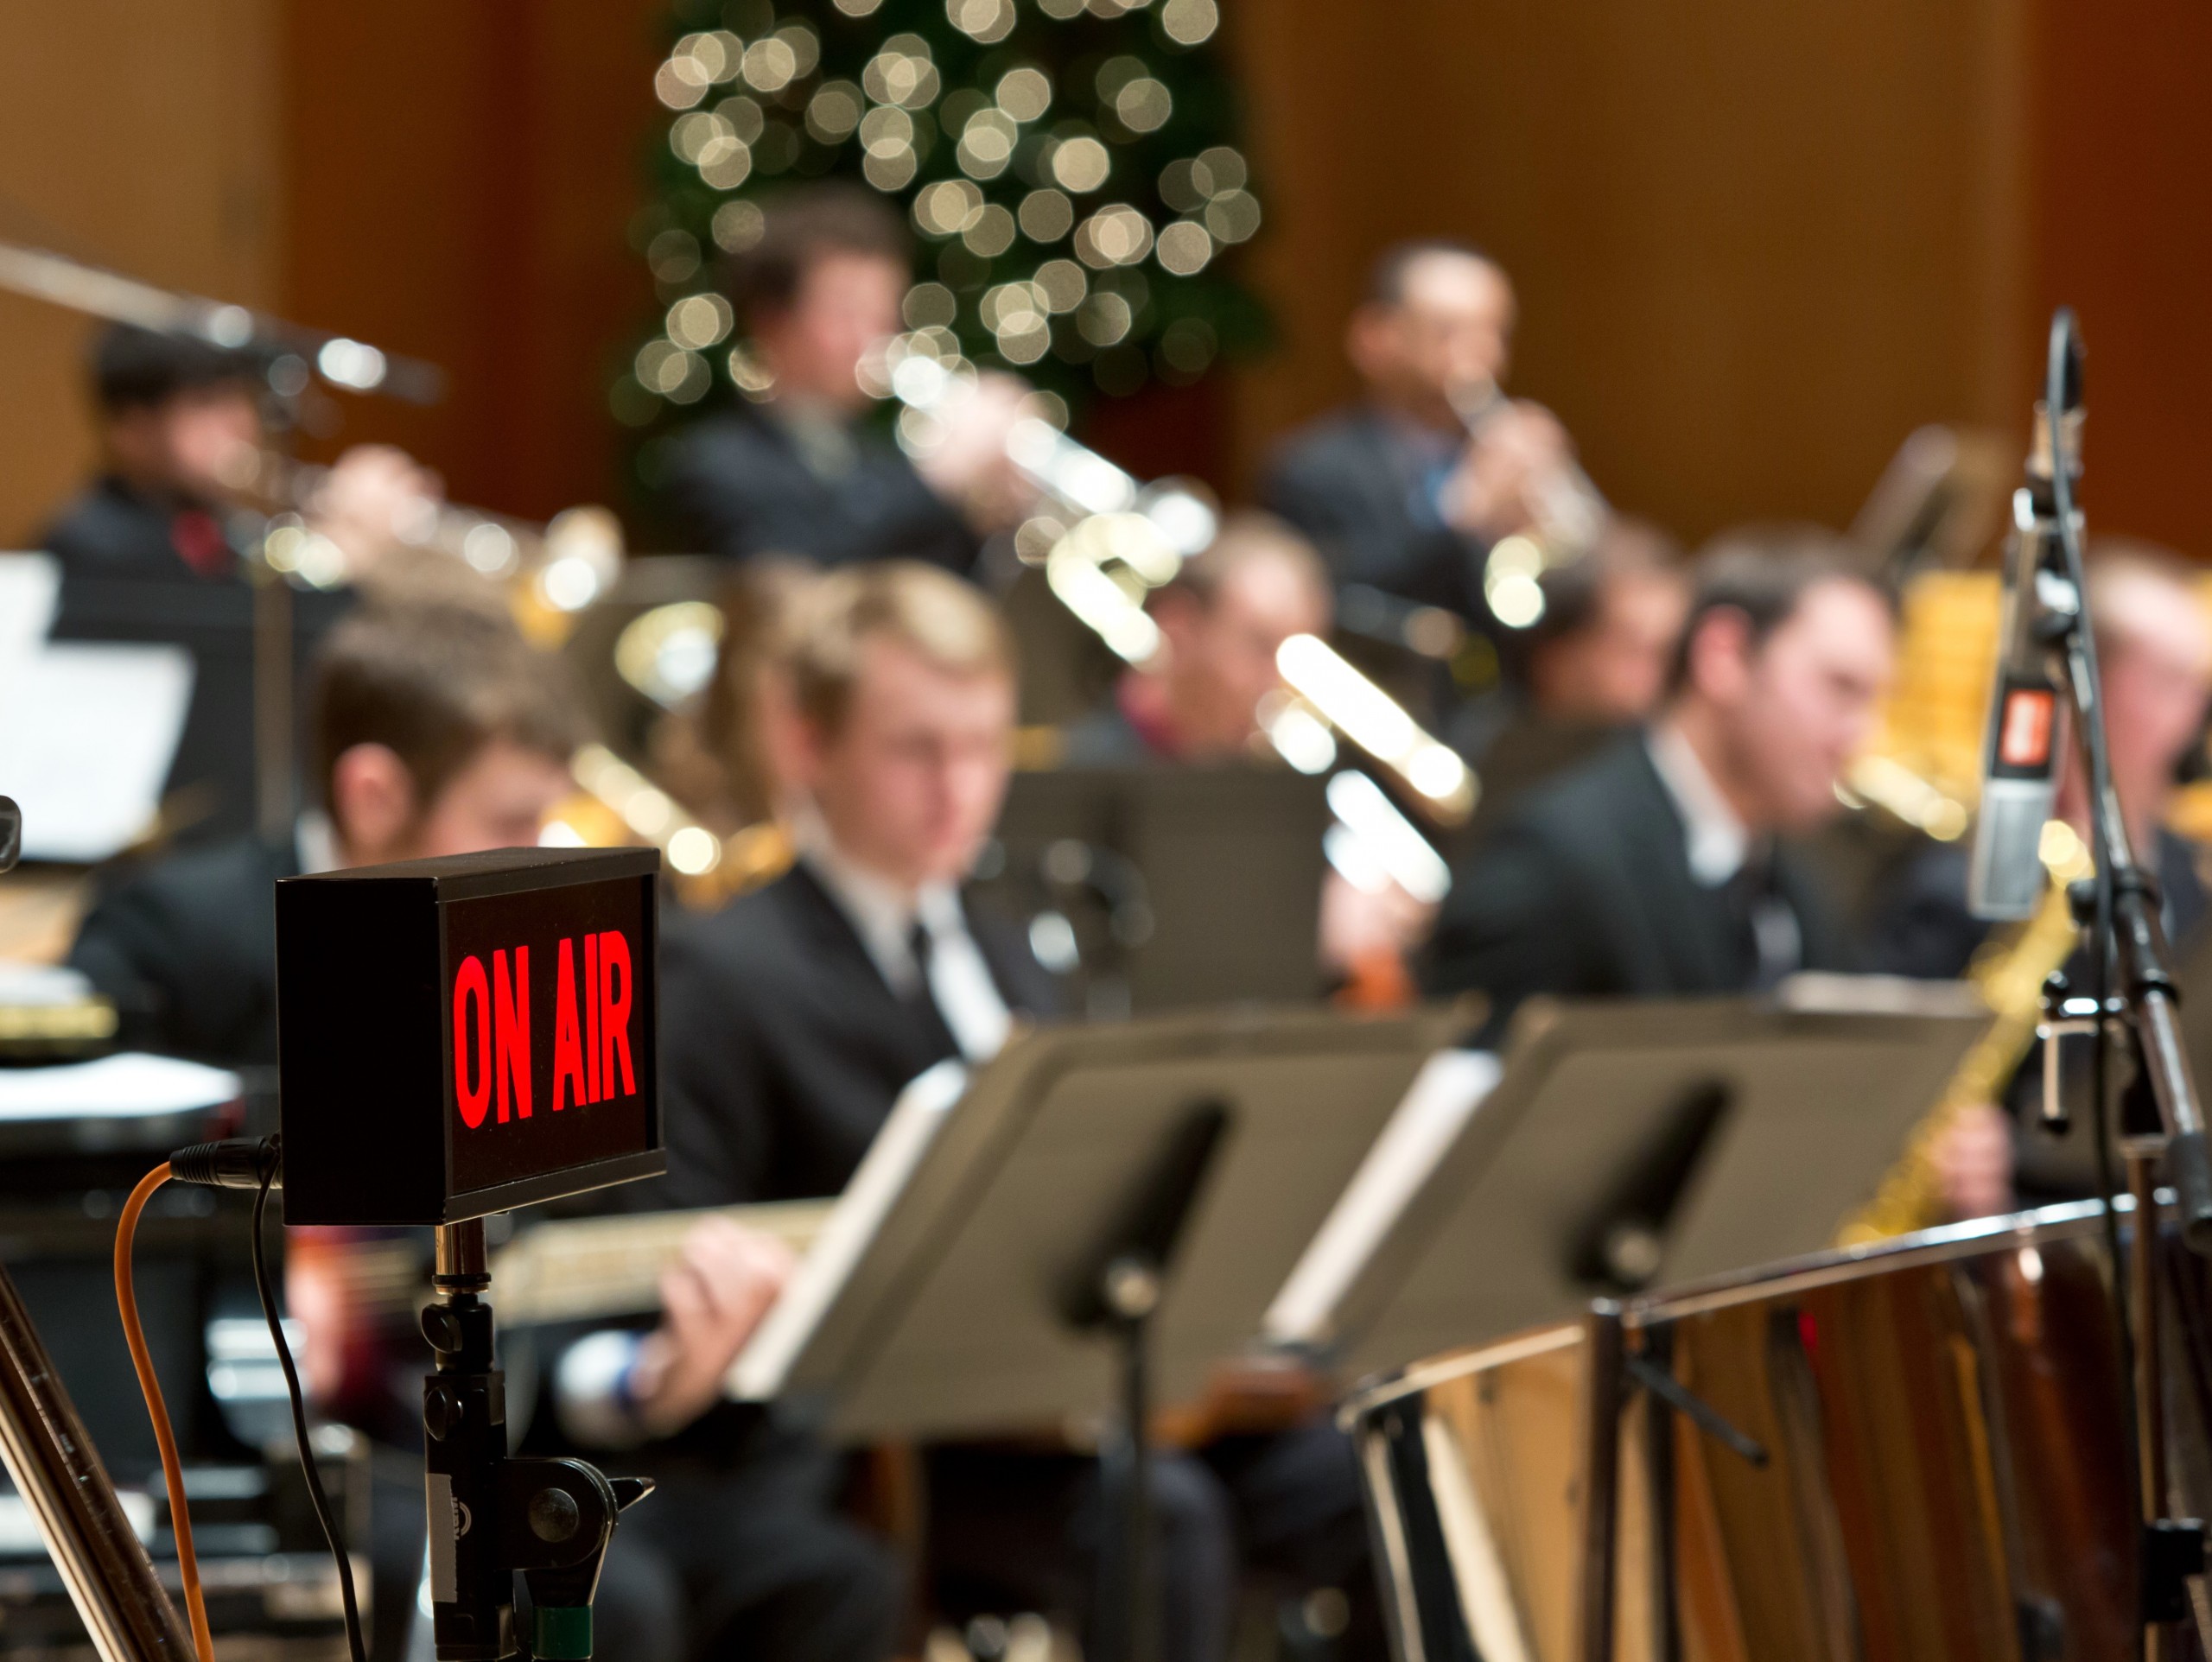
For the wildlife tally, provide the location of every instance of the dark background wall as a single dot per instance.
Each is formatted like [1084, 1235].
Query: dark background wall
[1755, 244]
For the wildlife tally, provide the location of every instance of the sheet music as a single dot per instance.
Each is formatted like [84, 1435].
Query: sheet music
[1449, 1087]
[765, 1363]
[31, 587]
[123, 1086]
[87, 733]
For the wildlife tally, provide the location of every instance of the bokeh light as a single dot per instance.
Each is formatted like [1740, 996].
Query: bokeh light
[1081, 165]
[737, 226]
[1187, 22]
[1024, 93]
[1046, 215]
[1184, 248]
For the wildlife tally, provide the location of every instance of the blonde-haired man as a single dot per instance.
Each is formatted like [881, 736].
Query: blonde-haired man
[792, 1019]
[795, 1015]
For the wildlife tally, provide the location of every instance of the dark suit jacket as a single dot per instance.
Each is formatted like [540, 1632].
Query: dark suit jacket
[112, 530]
[1585, 891]
[740, 487]
[783, 1049]
[187, 948]
[1349, 483]
[123, 579]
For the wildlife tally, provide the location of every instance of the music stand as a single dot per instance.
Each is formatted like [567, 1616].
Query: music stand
[1634, 1146]
[1103, 1207]
[212, 775]
[1201, 885]
[951, 1320]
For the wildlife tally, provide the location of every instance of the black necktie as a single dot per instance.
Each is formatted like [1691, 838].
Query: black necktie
[1764, 929]
[921, 999]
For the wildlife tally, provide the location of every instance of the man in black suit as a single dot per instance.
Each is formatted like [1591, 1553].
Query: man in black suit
[797, 471]
[174, 411]
[2154, 654]
[151, 550]
[791, 1021]
[438, 730]
[1391, 490]
[1661, 867]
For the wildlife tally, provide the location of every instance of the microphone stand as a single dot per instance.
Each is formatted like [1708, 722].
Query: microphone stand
[2117, 908]
[493, 1514]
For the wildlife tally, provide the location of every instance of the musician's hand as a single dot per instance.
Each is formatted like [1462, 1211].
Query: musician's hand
[969, 466]
[1493, 492]
[1359, 925]
[373, 496]
[1974, 1162]
[712, 1299]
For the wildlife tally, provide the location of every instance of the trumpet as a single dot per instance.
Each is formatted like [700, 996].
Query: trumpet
[1568, 510]
[1106, 540]
[550, 572]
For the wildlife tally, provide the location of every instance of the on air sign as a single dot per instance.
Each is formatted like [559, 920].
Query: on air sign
[492, 1052]
[458, 1037]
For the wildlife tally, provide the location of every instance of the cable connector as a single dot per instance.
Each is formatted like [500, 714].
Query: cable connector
[235, 1163]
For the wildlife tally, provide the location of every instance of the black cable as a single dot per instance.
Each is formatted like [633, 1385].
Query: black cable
[299, 1419]
[2089, 700]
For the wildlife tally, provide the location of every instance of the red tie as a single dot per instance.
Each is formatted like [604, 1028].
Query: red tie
[200, 541]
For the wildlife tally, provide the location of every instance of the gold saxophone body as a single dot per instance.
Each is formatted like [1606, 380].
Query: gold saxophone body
[2009, 971]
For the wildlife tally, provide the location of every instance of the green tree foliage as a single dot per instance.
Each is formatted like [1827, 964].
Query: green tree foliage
[1071, 168]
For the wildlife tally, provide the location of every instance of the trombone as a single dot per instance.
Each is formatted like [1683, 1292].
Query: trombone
[1107, 540]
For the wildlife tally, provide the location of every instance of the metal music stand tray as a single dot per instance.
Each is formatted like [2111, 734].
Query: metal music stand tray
[962, 1314]
[1631, 1146]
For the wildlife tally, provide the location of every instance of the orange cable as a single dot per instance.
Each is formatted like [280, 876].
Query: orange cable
[126, 1301]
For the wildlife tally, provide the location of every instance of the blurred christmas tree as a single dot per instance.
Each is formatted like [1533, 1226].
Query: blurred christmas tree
[1071, 168]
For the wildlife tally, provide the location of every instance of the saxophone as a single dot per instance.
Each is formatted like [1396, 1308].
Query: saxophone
[2009, 971]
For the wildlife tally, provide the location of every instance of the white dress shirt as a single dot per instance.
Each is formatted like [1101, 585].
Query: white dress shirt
[1718, 845]
[1718, 841]
[884, 915]
[591, 1380]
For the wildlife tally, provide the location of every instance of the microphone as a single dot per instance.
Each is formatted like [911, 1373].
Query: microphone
[2020, 749]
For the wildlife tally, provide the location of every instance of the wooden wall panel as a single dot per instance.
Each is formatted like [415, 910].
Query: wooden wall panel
[2124, 234]
[145, 136]
[1755, 244]
[462, 178]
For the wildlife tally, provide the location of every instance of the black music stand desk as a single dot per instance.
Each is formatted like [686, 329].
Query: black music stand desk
[1630, 1146]
[952, 1310]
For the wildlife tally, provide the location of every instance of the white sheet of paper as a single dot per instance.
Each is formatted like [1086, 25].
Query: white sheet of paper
[121, 1086]
[1451, 1085]
[30, 588]
[765, 1362]
[87, 733]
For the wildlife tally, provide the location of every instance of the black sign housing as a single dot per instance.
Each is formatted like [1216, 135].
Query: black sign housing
[463, 1035]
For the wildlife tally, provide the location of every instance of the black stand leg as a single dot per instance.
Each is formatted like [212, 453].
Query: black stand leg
[1114, 1294]
[1127, 1627]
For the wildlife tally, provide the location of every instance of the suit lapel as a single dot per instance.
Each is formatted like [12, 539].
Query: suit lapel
[1687, 943]
[849, 992]
[1390, 485]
